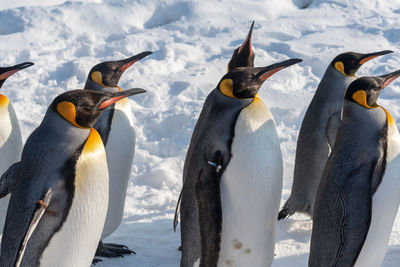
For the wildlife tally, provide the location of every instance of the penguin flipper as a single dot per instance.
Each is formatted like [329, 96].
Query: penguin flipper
[210, 214]
[7, 180]
[331, 128]
[178, 208]
[357, 200]
[338, 241]
[42, 206]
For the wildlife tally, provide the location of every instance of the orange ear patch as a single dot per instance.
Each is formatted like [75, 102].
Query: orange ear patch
[340, 67]
[4, 101]
[226, 87]
[67, 111]
[97, 77]
[361, 98]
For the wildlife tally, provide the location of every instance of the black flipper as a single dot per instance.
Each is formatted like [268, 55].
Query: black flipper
[210, 212]
[7, 180]
[331, 128]
[341, 224]
[41, 208]
[111, 250]
[178, 208]
[357, 200]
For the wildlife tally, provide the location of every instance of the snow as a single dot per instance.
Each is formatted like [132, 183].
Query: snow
[192, 43]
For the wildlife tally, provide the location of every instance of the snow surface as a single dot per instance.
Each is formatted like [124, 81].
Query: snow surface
[192, 43]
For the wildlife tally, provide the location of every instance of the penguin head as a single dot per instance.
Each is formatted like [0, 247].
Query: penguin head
[82, 108]
[349, 63]
[8, 71]
[366, 90]
[108, 73]
[244, 82]
[243, 56]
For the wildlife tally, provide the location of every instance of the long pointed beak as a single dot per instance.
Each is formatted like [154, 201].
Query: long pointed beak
[247, 43]
[129, 61]
[120, 95]
[388, 78]
[14, 69]
[368, 57]
[270, 70]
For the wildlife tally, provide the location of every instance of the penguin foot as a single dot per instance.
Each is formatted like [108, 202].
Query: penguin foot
[95, 261]
[284, 213]
[110, 250]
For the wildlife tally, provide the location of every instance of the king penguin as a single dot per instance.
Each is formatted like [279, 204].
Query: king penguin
[10, 134]
[359, 193]
[59, 194]
[243, 56]
[232, 176]
[318, 130]
[116, 129]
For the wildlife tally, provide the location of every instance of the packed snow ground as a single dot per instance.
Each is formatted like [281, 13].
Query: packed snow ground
[192, 43]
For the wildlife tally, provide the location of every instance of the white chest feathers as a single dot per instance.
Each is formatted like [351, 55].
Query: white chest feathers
[385, 203]
[120, 149]
[251, 189]
[76, 243]
[10, 146]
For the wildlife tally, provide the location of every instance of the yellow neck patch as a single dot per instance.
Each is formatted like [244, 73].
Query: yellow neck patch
[67, 111]
[4, 101]
[93, 143]
[388, 116]
[226, 87]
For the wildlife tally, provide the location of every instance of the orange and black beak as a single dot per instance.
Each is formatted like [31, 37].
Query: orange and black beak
[126, 63]
[388, 78]
[8, 71]
[367, 57]
[114, 97]
[266, 72]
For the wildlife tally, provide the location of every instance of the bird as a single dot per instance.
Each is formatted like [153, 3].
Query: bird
[232, 175]
[243, 56]
[318, 130]
[116, 129]
[10, 133]
[59, 188]
[359, 193]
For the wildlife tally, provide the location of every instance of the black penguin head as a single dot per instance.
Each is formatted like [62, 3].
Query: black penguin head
[349, 63]
[244, 82]
[82, 108]
[243, 56]
[366, 90]
[108, 73]
[8, 71]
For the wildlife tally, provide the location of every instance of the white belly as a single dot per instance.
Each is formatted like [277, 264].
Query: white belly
[385, 203]
[120, 149]
[10, 148]
[76, 243]
[251, 188]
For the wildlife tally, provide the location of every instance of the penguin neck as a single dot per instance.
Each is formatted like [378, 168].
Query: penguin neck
[61, 129]
[363, 120]
[91, 85]
[339, 81]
